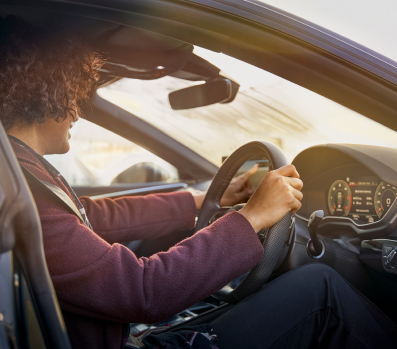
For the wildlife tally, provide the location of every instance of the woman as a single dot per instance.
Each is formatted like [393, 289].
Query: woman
[101, 285]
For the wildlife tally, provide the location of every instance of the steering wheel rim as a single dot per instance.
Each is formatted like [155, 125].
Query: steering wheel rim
[274, 237]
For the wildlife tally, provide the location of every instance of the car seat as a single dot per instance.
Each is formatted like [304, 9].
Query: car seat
[30, 315]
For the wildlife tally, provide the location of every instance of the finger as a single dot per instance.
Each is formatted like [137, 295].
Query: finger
[297, 194]
[237, 185]
[288, 171]
[244, 194]
[295, 183]
[247, 175]
[296, 206]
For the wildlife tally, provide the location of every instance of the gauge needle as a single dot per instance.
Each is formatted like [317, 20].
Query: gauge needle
[379, 210]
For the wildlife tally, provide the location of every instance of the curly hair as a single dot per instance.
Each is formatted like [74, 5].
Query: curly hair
[43, 74]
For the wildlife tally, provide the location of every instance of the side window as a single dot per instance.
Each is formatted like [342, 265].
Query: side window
[98, 157]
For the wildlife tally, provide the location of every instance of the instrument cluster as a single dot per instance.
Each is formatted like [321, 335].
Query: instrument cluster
[362, 198]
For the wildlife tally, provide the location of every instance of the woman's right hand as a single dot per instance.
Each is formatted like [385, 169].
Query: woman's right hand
[277, 194]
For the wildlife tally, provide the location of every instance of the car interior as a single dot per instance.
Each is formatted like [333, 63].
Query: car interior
[348, 218]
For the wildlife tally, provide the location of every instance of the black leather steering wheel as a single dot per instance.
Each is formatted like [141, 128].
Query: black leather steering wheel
[273, 238]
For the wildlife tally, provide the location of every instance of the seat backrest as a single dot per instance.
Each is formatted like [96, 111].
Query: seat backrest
[28, 304]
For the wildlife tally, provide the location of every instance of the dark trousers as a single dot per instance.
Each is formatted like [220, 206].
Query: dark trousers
[309, 307]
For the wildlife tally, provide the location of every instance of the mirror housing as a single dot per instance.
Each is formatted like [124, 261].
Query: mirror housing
[211, 92]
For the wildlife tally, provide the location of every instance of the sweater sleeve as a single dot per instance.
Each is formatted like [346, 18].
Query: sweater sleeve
[140, 217]
[96, 279]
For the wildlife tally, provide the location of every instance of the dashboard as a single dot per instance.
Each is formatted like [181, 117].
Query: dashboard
[355, 186]
[352, 191]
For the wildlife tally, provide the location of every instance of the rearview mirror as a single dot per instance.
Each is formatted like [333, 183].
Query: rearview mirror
[220, 91]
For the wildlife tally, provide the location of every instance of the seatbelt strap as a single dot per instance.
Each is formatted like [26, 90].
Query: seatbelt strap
[56, 192]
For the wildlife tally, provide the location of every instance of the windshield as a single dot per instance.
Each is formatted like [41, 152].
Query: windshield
[267, 107]
[367, 22]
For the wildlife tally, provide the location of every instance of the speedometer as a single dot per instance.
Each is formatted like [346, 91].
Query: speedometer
[385, 195]
[339, 198]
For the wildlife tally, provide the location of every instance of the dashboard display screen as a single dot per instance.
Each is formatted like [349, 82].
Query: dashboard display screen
[364, 199]
[363, 193]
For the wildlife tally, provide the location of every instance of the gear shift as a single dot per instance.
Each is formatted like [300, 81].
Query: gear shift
[315, 246]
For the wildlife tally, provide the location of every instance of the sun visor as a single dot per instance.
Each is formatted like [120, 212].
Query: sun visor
[140, 54]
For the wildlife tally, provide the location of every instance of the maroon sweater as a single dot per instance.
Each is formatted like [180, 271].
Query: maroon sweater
[101, 284]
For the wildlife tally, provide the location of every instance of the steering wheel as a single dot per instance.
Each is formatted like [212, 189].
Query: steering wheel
[273, 237]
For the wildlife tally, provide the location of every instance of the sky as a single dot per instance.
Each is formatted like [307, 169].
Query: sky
[371, 23]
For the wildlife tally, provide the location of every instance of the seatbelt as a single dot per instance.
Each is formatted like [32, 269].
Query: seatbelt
[56, 192]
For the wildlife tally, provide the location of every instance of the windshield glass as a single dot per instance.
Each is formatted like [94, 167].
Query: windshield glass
[267, 107]
[367, 22]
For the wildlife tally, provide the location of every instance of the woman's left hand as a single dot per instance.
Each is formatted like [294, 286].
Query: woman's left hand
[239, 189]
[237, 192]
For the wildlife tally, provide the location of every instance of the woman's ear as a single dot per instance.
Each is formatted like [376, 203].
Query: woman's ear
[73, 114]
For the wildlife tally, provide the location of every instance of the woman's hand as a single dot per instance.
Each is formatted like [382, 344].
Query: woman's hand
[277, 194]
[239, 189]
[237, 192]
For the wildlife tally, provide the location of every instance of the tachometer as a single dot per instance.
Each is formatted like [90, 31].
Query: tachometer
[339, 198]
[385, 195]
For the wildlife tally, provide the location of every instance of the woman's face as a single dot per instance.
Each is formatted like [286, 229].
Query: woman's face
[57, 134]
